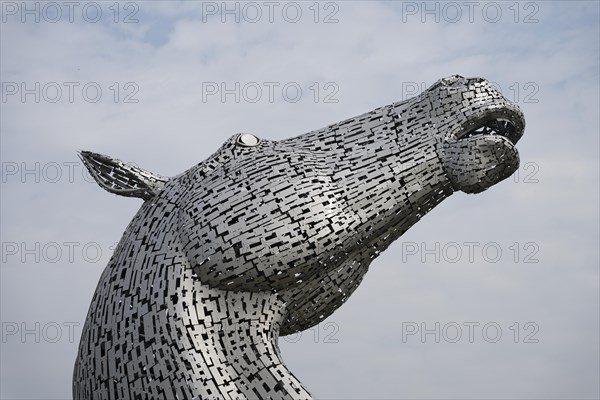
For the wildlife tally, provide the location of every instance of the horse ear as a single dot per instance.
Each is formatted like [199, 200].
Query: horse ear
[122, 178]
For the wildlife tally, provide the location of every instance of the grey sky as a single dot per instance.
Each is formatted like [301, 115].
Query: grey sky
[545, 221]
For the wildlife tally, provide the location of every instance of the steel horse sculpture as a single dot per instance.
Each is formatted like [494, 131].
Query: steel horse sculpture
[267, 238]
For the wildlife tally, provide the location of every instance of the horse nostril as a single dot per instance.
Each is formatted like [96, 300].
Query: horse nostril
[451, 80]
[476, 80]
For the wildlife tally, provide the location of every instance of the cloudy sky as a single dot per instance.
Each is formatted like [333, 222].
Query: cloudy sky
[494, 295]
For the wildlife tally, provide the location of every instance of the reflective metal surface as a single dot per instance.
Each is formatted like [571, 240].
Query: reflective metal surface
[267, 238]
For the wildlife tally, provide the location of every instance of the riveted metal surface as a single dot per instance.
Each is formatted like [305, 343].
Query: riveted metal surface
[267, 238]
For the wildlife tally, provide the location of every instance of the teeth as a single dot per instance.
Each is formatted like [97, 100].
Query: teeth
[496, 127]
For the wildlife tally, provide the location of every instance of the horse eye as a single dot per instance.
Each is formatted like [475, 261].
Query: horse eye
[247, 140]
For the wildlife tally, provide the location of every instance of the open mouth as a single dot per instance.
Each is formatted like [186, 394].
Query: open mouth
[506, 123]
